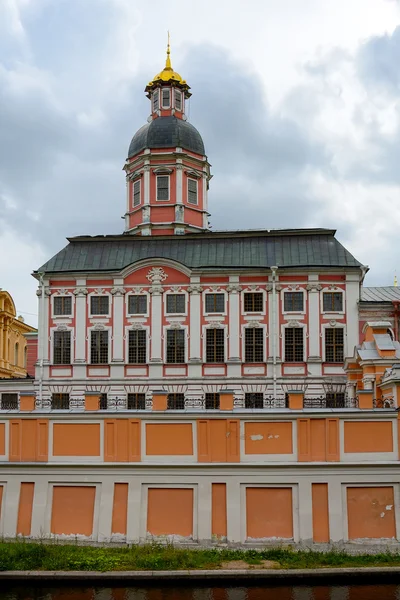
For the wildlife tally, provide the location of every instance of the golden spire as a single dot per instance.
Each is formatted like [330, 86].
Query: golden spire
[168, 61]
[395, 279]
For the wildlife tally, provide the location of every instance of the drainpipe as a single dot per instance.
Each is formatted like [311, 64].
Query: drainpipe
[42, 326]
[274, 329]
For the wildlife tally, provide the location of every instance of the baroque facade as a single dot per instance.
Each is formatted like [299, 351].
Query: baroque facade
[13, 343]
[201, 385]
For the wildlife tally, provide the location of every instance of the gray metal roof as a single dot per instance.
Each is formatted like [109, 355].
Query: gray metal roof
[380, 294]
[167, 132]
[251, 249]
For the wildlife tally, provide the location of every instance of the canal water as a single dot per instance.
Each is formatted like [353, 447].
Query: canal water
[353, 592]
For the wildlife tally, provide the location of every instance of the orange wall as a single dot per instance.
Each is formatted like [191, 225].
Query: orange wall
[73, 510]
[368, 436]
[170, 511]
[2, 438]
[76, 439]
[320, 512]
[25, 509]
[269, 512]
[169, 439]
[219, 522]
[122, 440]
[368, 513]
[318, 440]
[28, 440]
[276, 438]
[218, 440]
[120, 508]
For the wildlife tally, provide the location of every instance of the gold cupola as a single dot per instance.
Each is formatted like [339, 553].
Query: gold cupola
[168, 77]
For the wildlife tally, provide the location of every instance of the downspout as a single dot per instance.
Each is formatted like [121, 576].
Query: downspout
[42, 326]
[274, 329]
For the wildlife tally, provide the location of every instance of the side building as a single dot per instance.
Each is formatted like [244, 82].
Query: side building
[196, 385]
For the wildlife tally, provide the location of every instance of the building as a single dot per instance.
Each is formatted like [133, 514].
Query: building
[382, 304]
[192, 383]
[14, 357]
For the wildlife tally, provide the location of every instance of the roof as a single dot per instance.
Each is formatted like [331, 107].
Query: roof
[380, 294]
[210, 250]
[167, 132]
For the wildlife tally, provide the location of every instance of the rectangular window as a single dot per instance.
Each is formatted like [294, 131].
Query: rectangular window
[254, 400]
[163, 187]
[253, 302]
[137, 304]
[62, 305]
[333, 301]
[103, 402]
[293, 301]
[62, 348]
[136, 193]
[136, 402]
[60, 401]
[137, 346]
[175, 346]
[166, 98]
[215, 303]
[99, 305]
[335, 400]
[9, 401]
[176, 402]
[215, 345]
[212, 401]
[99, 347]
[334, 345]
[254, 345]
[156, 100]
[294, 351]
[178, 100]
[192, 191]
[175, 304]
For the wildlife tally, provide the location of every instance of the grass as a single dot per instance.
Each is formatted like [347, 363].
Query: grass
[28, 556]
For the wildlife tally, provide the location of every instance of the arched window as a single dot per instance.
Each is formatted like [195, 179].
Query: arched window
[16, 354]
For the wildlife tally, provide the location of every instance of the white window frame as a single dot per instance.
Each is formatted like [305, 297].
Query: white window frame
[293, 312]
[197, 191]
[137, 315]
[52, 331]
[129, 328]
[89, 342]
[243, 336]
[326, 326]
[332, 290]
[185, 329]
[134, 183]
[70, 294]
[215, 314]
[105, 316]
[204, 335]
[177, 92]
[156, 91]
[169, 187]
[258, 291]
[289, 325]
[169, 315]
[165, 107]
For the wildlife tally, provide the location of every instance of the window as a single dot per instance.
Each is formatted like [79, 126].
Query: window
[166, 101]
[215, 345]
[62, 348]
[163, 187]
[212, 401]
[253, 302]
[254, 345]
[335, 400]
[175, 346]
[156, 100]
[99, 347]
[334, 345]
[176, 402]
[136, 402]
[293, 301]
[103, 402]
[178, 100]
[254, 400]
[136, 193]
[192, 191]
[9, 401]
[99, 305]
[175, 303]
[137, 304]
[215, 303]
[16, 354]
[60, 401]
[137, 346]
[294, 344]
[333, 301]
[62, 305]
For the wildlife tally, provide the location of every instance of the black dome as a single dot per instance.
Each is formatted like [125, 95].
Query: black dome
[167, 132]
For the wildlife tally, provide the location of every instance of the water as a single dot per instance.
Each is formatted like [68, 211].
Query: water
[353, 592]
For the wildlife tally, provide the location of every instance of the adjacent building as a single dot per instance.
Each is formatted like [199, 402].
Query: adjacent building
[200, 385]
[14, 357]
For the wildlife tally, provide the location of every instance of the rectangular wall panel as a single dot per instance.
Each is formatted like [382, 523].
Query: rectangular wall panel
[371, 512]
[318, 439]
[120, 509]
[73, 510]
[173, 439]
[268, 438]
[320, 512]
[2, 438]
[122, 440]
[219, 522]
[368, 436]
[269, 513]
[24, 522]
[76, 439]
[170, 511]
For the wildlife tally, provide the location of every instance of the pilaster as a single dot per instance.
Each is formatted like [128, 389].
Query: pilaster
[80, 322]
[195, 291]
[314, 339]
[234, 290]
[118, 293]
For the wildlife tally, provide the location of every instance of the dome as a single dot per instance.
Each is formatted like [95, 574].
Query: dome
[167, 132]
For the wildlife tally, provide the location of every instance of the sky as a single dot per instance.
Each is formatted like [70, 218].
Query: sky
[298, 104]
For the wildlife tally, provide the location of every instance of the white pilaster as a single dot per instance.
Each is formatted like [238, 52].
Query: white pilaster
[39, 508]
[179, 181]
[234, 318]
[118, 293]
[156, 276]
[314, 319]
[146, 183]
[195, 320]
[234, 513]
[335, 510]
[105, 511]
[80, 321]
[352, 299]
[305, 510]
[10, 507]
[45, 331]
[204, 510]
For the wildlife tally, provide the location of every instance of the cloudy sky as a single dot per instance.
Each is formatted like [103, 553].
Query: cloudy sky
[298, 102]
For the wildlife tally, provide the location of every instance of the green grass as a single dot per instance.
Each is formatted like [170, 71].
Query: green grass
[29, 556]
